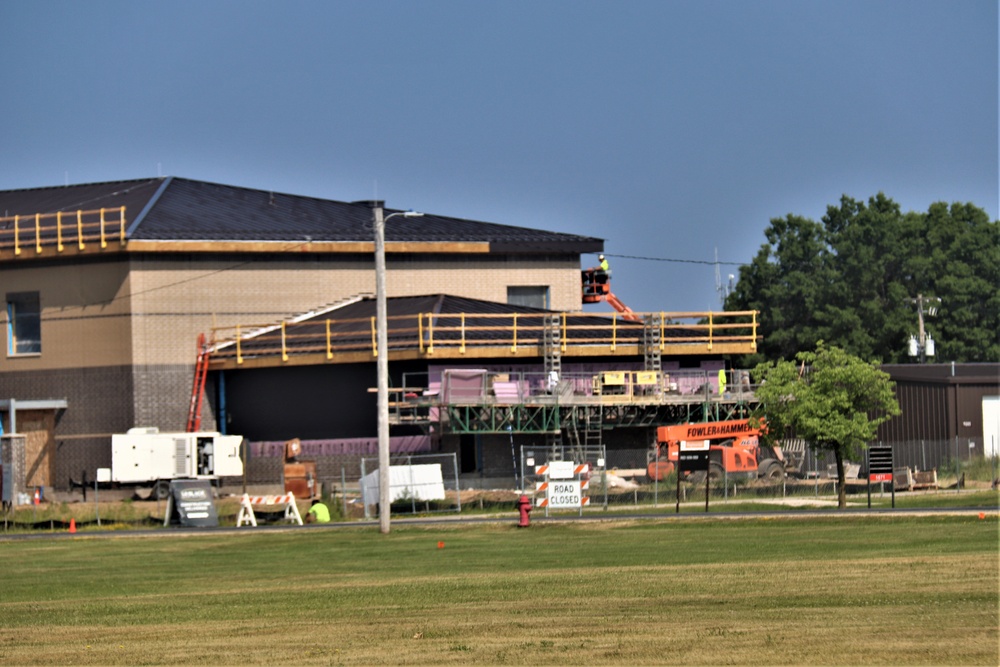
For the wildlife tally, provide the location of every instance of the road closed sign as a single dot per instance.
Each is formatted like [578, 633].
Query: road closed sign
[564, 494]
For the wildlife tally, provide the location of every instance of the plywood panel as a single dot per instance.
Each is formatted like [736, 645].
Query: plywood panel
[39, 449]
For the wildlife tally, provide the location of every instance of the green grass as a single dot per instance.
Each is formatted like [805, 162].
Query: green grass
[872, 590]
[127, 515]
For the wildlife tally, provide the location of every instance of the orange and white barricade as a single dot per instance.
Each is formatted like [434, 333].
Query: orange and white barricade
[564, 485]
[246, 515]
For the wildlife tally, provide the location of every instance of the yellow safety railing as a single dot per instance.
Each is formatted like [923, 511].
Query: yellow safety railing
[49, 229]
[518, 333]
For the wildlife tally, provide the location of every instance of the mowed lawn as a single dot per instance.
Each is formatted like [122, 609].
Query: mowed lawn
[839, 591]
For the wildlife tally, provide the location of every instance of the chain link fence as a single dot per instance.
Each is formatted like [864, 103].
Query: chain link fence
[418, 483]
[638, 478]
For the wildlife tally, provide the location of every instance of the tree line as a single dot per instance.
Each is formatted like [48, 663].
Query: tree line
[852, 280]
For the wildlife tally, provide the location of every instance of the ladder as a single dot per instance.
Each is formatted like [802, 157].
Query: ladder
[593, 435]
[586, 434]
[552, 344]
[651, 344]
[198, 387]
[554, 447]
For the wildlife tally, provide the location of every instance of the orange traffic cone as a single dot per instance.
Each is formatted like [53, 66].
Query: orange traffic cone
[72, 525]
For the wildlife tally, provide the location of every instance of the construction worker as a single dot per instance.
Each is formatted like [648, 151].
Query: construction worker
[318, 512]
[722, 381]
[603, 269]
[553, 381]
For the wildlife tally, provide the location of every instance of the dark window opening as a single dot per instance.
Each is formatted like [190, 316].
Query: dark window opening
[24, 323]
[532, 296]
[468, 454]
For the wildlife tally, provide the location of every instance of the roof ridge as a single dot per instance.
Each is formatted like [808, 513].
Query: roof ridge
[70, 186]
[265, 191]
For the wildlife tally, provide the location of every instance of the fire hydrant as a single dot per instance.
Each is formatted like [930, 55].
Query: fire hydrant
[524, 507]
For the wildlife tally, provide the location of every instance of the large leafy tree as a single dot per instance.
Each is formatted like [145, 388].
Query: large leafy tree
[962, 260]
[851, 280]
[831, 399]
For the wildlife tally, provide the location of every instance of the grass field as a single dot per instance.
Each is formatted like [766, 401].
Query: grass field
[839, 590]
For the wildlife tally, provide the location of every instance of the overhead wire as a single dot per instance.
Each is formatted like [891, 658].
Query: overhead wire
[669, 259]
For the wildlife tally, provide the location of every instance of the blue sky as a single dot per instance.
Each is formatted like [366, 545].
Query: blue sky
[673, 129]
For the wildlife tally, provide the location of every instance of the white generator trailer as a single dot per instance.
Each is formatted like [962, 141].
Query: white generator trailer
[146, 457]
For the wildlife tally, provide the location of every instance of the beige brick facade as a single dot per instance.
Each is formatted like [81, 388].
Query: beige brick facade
[176, 300]
[119, 332]
[85, 310]
[149, 310]
[120, 319]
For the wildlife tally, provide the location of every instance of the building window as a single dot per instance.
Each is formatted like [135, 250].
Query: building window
[531, 296]
[24, 323]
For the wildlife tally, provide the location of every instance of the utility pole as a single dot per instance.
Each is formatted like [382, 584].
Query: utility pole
[923, 344]
[382, 362]
[382, 370]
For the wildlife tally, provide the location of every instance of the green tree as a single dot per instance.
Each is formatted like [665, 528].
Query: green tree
[831, 399]
[785, 283]
[961, 265]
[851, 279]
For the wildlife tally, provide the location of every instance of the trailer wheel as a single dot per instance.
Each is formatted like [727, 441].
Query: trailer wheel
[161, 490]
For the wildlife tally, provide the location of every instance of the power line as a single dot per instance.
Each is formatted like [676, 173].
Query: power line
[679, 261]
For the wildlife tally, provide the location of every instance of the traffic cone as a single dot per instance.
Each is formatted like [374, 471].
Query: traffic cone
[72, 525]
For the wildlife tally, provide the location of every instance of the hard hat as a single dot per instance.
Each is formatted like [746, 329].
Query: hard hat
[600, 257]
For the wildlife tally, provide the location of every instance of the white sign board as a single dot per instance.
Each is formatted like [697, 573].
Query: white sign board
[695, 445]
[563, 494]
[561, 469]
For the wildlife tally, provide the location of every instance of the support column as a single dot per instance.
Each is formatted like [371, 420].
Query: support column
[12, 457]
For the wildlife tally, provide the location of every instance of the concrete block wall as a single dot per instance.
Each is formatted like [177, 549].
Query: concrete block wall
[12, 458]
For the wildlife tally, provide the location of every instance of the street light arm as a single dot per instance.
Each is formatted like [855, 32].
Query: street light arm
[405, 214]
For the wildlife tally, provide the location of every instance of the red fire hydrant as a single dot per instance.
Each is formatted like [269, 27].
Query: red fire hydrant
[524, 507]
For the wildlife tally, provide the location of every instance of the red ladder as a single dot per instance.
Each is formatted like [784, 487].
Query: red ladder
[198, 389]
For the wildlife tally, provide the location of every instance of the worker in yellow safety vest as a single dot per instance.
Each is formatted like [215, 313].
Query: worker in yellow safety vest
[318, 513]
[603, 270]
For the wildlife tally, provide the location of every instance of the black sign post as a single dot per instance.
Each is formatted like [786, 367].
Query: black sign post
[880, 469]
[191, 503]
[692, 457]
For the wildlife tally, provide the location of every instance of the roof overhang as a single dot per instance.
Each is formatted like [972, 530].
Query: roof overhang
[306, 246]
[12, 405]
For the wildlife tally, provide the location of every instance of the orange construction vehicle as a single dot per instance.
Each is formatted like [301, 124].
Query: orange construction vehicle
[597, 287]
[739, 451]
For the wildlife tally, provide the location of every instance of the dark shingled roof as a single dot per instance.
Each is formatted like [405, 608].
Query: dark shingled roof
[178, 209]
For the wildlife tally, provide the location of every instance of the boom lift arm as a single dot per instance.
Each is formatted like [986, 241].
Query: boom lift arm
[597, 287]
